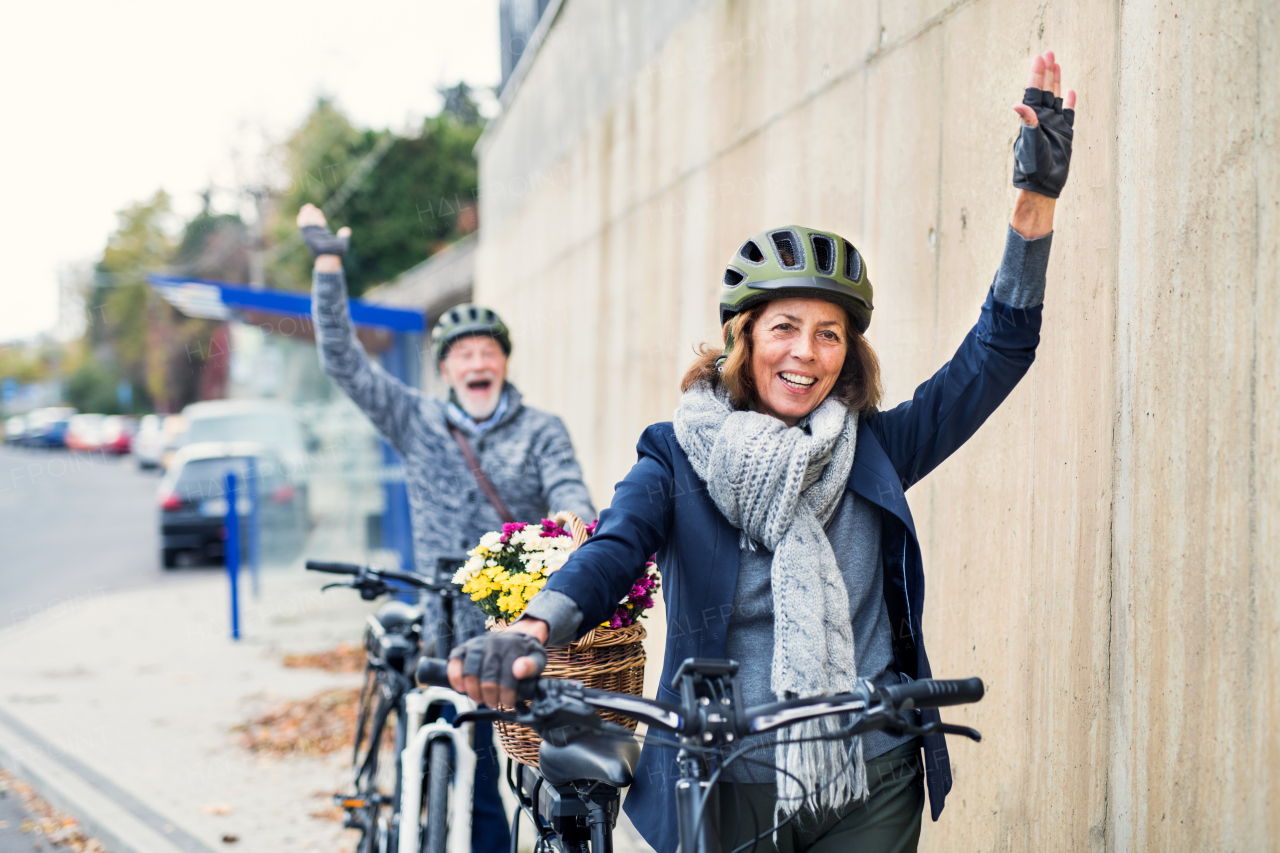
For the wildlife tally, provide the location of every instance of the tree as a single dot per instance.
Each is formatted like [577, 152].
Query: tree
[93, 388]
[318, 158]
[23, 363]
[459, 105]
[418, 198]
[117, 335]
[212, 246]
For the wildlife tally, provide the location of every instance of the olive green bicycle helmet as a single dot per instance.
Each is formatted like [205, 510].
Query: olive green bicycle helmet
[795, 261]
[465, 321]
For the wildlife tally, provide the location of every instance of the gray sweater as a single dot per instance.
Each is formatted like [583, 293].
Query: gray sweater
[526, 453]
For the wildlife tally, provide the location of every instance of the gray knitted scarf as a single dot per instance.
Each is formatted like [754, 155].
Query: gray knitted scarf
[780, 486]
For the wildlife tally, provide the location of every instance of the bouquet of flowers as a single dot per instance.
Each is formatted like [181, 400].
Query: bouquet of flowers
[507, 569]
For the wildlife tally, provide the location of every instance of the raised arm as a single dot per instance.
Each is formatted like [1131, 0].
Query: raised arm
[1042, 154]
[947, 409]
[385, 400]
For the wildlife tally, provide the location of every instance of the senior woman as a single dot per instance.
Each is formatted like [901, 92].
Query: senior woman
[775, 504]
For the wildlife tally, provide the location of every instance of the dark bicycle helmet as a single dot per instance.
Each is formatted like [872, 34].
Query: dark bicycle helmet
[795, 261]
[465, 321]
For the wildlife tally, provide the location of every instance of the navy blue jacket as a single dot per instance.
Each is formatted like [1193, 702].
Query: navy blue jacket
[663, 507]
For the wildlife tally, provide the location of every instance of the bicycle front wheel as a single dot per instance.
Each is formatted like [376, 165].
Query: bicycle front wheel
[435, 806]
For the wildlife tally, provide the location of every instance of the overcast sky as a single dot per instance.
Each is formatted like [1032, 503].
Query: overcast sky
[103, 103]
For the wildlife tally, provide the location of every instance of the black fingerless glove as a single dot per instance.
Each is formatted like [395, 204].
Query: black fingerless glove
[321, 241]
[489, 657]
[1042, 155]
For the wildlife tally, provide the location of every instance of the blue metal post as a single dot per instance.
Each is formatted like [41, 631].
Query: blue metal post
[399, 360]
[255, 525]
[231, 553]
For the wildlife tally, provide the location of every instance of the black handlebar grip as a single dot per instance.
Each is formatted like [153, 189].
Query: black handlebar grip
[433, 672]
[935, 693]
[333, 568]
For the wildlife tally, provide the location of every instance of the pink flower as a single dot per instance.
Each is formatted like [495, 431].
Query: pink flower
[508, 529]
[551, 530]
[591, 528]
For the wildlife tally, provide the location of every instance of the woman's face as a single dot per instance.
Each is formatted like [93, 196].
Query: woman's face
[798, 351]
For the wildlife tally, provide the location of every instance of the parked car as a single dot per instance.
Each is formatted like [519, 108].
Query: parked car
[84, 432]
[174, 429]
[268, 422]
[14, 428]
[48, 427]
[193, 502]
[117, 434]
[148, 443]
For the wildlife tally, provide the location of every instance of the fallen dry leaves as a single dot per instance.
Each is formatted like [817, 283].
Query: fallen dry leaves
[57, 828]
[344, 658]
[317, 725]
[330, 810]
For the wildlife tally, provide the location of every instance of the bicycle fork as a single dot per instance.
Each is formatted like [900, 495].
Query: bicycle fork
[697, 807]
[412, 762]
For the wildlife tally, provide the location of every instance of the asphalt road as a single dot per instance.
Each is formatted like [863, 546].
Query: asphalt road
[74, 527]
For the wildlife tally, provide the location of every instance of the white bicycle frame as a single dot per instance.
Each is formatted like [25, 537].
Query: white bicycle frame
[416, 704]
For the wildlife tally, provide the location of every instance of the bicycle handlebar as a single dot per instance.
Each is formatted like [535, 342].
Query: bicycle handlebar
[554, 696]
[376, 574]
[935, 693]
[333, 568]
[433, 672]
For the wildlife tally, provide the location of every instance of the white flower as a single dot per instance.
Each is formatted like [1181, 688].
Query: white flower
[491, 540]
[555, 561]
[469, 569]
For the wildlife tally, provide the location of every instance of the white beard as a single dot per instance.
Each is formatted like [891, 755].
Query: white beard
[480, 409]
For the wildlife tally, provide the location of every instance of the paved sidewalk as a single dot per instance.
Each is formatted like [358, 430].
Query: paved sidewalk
[119, 709]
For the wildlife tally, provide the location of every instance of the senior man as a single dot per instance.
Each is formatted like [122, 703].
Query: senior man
[471, 462]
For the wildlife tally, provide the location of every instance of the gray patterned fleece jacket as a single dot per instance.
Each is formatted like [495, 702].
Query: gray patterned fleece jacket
[527, 454]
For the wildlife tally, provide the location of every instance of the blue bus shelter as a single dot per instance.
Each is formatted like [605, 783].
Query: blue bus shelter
[219, 300]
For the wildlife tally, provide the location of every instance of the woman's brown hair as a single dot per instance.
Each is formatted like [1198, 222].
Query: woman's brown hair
[858, 386]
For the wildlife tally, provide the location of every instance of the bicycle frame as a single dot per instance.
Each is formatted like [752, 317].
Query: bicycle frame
[389, 689]
[417, 704]
[556, 810]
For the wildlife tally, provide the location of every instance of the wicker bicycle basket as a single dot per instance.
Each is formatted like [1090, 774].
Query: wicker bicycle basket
[605, 658]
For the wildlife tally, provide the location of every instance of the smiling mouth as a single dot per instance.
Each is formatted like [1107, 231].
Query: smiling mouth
[797, 381]
[479, 386]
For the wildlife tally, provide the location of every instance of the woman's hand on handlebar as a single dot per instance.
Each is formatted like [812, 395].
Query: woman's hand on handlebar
[487, 668]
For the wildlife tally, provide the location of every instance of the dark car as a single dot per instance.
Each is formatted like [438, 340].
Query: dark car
[193, 503]
[48, 427]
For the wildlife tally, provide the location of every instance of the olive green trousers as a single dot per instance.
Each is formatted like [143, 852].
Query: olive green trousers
[888, 821]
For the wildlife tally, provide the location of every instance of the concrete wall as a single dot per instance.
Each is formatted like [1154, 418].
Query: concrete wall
[1103, 552]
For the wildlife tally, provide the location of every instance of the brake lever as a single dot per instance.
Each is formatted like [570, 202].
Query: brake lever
[482, 715]
[906, 728]
[373, 590]
[881, 718]
[952, 729]
[337, 583]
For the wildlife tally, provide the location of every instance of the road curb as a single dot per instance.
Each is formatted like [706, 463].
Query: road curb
[121, 822]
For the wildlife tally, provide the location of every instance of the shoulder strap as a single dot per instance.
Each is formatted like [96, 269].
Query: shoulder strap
[481, 478]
